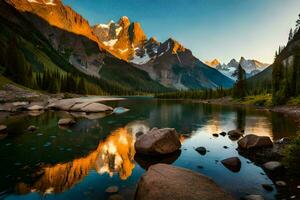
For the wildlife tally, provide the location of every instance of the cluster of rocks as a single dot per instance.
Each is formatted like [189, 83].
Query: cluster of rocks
[88, 105]
[163, 181]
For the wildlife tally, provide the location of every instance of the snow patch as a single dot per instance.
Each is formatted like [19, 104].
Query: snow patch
[118, 30]
[140, 60]
[110, 43]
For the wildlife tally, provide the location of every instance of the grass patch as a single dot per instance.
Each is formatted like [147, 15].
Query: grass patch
[291, 157]
[257, 100]
[295, 101]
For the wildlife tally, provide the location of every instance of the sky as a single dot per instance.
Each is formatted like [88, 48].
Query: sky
[222, 29]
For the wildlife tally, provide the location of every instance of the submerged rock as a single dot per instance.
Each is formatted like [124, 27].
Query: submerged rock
[163, 182]
[66, 122]
[201, 150]
[254, 142]
[35, 108]
[272, 165]
[267, 187]
[3, 128]
[233, 164]
[120, 110]
[158, 142]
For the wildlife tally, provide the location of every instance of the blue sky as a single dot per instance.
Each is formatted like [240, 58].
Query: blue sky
[222, 29]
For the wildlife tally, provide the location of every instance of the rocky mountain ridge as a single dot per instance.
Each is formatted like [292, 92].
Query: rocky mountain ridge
[251, 66]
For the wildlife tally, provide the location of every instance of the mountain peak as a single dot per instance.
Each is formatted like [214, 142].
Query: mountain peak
[175, 46]
[124, 21]
[214, 63]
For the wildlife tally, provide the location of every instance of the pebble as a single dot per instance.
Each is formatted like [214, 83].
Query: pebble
[293, 197]
[216, 135]
[225, 147]
[200, 167]
[223, 134]
[47, 144]
[39, 134]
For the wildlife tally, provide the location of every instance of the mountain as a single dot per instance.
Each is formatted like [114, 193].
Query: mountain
[286, 58]
[65, 48]
[251, 67]
[118, 55]
[126, 40]
[214, 63]
[169, 63]
[174, 66]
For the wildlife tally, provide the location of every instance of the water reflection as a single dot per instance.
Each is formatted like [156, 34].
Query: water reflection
[113, 155]
[98, 150]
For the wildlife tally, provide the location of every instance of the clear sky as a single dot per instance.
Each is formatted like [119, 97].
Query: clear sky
[222, 29]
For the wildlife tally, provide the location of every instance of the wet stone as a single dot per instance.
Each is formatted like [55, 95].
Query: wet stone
[268, 187]
[201, 150]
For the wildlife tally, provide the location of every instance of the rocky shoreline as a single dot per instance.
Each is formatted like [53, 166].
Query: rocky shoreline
[260, 150]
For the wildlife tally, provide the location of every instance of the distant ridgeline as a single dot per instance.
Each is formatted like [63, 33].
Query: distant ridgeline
[51, 47]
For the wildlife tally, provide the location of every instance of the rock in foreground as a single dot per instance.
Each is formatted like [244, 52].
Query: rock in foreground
[163, 182]
[254, 142]
[158, 142]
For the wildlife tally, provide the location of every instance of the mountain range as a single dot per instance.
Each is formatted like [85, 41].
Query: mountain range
[251, 67]
[119, 55]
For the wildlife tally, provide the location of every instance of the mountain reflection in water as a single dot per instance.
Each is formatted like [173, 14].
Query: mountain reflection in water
[113, 155]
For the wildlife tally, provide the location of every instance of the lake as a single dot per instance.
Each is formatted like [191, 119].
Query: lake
[81, 161]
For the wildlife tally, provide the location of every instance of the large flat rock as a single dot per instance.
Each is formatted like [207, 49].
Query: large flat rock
[163, 182]
[82, 104]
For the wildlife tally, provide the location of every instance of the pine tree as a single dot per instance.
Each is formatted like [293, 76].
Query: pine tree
[239, 90]
[291, 34]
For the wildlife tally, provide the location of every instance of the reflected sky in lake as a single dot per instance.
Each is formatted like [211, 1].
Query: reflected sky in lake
[81, 161]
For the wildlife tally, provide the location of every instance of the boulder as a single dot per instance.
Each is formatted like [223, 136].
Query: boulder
[201, 150]
[35, 107]
[66, 122]
[253, 197]
[3, 128]
[64, 104]
[158, 142]
[96, 107]
[253, 142]
[272, 165]
[163, 182]
[233, 164]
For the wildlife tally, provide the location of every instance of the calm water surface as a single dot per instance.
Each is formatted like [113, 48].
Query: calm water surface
[81, 161]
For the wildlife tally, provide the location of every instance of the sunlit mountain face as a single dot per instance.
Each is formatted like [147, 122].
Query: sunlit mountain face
[114, 155]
